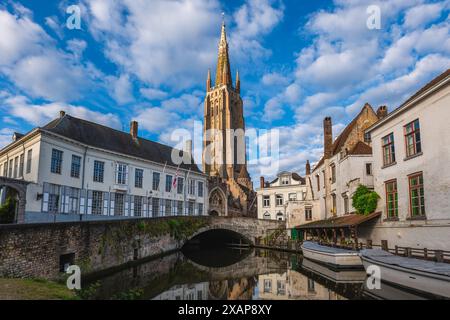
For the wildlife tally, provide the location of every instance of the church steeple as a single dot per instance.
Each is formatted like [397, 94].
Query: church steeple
[223, 71]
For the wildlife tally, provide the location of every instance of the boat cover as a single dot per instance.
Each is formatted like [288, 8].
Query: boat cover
[383, 256]
[317, 247]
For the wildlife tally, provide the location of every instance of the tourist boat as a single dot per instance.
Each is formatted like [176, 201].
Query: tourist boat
[420, 275]
[337, 276]
[333, 257]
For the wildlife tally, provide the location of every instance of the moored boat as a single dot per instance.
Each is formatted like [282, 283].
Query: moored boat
[416, 274]
[337, 258]
[337, 276]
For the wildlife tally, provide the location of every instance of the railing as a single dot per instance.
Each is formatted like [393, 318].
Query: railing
[418, 253]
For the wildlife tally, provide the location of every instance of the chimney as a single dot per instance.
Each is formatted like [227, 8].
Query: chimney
[261, 182]
[327, 138]
[134, 129]
[382, 112]
[62, 113]
[208, 81]
[308, 168]
[188, 146]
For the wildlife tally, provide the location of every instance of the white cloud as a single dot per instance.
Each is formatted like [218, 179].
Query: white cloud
[121, 89]
[423, 14]
[274, 79]
[155, 119]
[40, 114]
[153, 94]
[5, 136]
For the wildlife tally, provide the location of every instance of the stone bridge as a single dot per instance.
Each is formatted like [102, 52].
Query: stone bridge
[42, 250]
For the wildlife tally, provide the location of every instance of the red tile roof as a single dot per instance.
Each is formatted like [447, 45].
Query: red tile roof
[349, 220]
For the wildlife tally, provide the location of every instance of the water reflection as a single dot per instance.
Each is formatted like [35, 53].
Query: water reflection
[232, 274]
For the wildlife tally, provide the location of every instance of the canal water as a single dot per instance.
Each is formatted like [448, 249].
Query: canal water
[227, 273]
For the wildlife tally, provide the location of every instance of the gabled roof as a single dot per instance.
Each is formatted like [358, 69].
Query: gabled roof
[361, 148]
[339, 143]
[102, 137]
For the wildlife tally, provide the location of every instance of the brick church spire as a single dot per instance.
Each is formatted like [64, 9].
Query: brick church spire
[223, 72]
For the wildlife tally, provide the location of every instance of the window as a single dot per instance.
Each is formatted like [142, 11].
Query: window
[266, 201]
[292, 196]
[200, 189]
[21, 165]
[345, 198]
[119, 204]
[391, 199]
[367, 138]
[318, 182]
[75, 168]
[138, 178]
[121, 173]
[10, 173]
[155, 183]
[138, 206]
[281, 287]
[168, 207]
[388, 149]
[168, 183]
[73, 200]
[56, 164]
[155, 207]
[97, 202]
[99, 169]
[280, 216]
[279, 199]
[333, 173]
[16, 166]
[284, 180]
[200, 209]
[333, 198]
[267, 285]
[191, 208]
[368, 169]
[29, 159]
[180, 208]
[1, 168]
[180, 185]
[412, 138]
[53, 198]
[266, 215]
[308, 214]
[416, 195]
[311, 286]
[324, 180]
[5, 169]
[191, 187]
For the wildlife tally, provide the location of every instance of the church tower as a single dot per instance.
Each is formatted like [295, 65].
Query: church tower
[224, 145]
[224, 127]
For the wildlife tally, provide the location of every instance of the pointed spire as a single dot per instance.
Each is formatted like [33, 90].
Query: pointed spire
[223, 62]
[208, 81]
[238, 82]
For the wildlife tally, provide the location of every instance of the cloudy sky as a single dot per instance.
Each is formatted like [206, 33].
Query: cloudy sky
[299, 61]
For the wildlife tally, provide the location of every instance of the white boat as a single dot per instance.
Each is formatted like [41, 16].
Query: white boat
[333, 257]
[420, 275]
[337, 276]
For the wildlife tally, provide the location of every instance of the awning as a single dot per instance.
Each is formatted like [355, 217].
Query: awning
[346, 221]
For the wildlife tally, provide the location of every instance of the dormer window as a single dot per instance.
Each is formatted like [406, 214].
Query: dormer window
[285, 180]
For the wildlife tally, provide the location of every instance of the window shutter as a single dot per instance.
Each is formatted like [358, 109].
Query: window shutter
[126, 175]
[82, 201]
[66, 199]
[144, 207]
[117, 173]
[127, 201]
[132, 206]
[89, 202]
[105, 203]
[112, 203]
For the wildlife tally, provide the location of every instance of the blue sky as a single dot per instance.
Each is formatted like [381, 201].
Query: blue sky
[299, 61]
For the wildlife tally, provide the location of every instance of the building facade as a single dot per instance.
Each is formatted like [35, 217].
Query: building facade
[79, 170]
[224, 145]
[287, 198]
[410, 157]
[346, 163]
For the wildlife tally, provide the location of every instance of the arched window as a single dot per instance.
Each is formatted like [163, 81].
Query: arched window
[266, 215]
[280, 216]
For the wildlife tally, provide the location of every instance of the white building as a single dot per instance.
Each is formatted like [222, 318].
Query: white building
[82, 170]
[287, 198]
[411, 157]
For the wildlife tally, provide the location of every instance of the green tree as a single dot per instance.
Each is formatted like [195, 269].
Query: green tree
[7, 211]
[365, 200]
